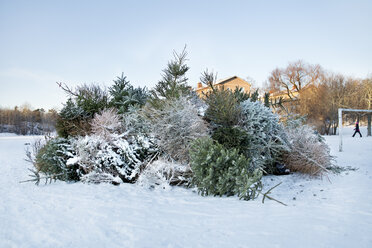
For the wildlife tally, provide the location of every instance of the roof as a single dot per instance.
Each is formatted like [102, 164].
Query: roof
[223, 81]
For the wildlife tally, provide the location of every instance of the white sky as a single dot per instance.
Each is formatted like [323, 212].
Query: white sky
[76, 42]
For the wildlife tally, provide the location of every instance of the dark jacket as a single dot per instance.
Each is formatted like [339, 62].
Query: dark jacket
[357, 127]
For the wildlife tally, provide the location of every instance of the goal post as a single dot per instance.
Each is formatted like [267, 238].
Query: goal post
[340, 110]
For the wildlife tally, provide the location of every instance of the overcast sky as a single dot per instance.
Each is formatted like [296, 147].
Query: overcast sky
[42, 42]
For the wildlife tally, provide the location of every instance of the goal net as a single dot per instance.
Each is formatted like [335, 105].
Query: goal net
[340, 110]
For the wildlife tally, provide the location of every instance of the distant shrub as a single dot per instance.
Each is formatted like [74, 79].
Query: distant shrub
[51, 160]
[308, 153]
[219, 171]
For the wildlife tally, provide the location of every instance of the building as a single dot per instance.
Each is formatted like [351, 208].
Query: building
[292, 95]
[276, 95]
[230, 83]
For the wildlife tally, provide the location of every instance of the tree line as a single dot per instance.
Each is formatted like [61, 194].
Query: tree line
[311, 91]
[26, 121]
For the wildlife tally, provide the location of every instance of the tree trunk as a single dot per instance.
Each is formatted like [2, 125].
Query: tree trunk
[335, 125]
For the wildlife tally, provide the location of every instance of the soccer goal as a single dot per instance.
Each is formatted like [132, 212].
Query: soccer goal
[340, 110]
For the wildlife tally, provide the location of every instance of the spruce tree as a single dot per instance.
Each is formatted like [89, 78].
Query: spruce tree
[125, 95]
[174, 80]
[219, 171]
[223, 108]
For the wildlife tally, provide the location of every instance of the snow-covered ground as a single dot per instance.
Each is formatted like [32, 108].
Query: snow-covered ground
[329, 212]
[8, 135]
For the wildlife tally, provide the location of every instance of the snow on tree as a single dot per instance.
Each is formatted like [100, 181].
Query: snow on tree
[51, 160]
[117, 158]
[106, 123]
[174, 126]
[266, 135]
[135, 121]
[163, 173]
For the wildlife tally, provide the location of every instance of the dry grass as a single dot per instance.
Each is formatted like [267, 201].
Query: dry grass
[308, 154]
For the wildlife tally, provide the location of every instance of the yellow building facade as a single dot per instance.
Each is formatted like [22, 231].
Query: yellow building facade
[230, 83]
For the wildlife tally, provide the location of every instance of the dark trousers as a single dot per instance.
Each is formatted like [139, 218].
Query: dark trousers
[357, 132]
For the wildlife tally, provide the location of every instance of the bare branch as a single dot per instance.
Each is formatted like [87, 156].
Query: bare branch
[65, 88]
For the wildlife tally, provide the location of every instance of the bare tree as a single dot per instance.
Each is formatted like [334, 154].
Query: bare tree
[320, 103]
[367, 89]
[295, 77]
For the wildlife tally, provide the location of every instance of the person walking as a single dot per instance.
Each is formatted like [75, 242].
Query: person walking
[357, 129]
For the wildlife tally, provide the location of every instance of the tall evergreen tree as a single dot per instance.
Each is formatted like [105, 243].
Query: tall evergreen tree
[174, 80]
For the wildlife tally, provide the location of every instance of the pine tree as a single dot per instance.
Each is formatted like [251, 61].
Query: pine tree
[223, 109]
[125, 95]
[240, 95]
[174, 80]
[276, 103]
[80, 108]
[52, 158]
[219, 171]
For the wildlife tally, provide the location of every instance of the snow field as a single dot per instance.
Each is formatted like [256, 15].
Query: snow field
[329, 212]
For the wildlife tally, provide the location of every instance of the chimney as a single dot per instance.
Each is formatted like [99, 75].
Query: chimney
[200, 85]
